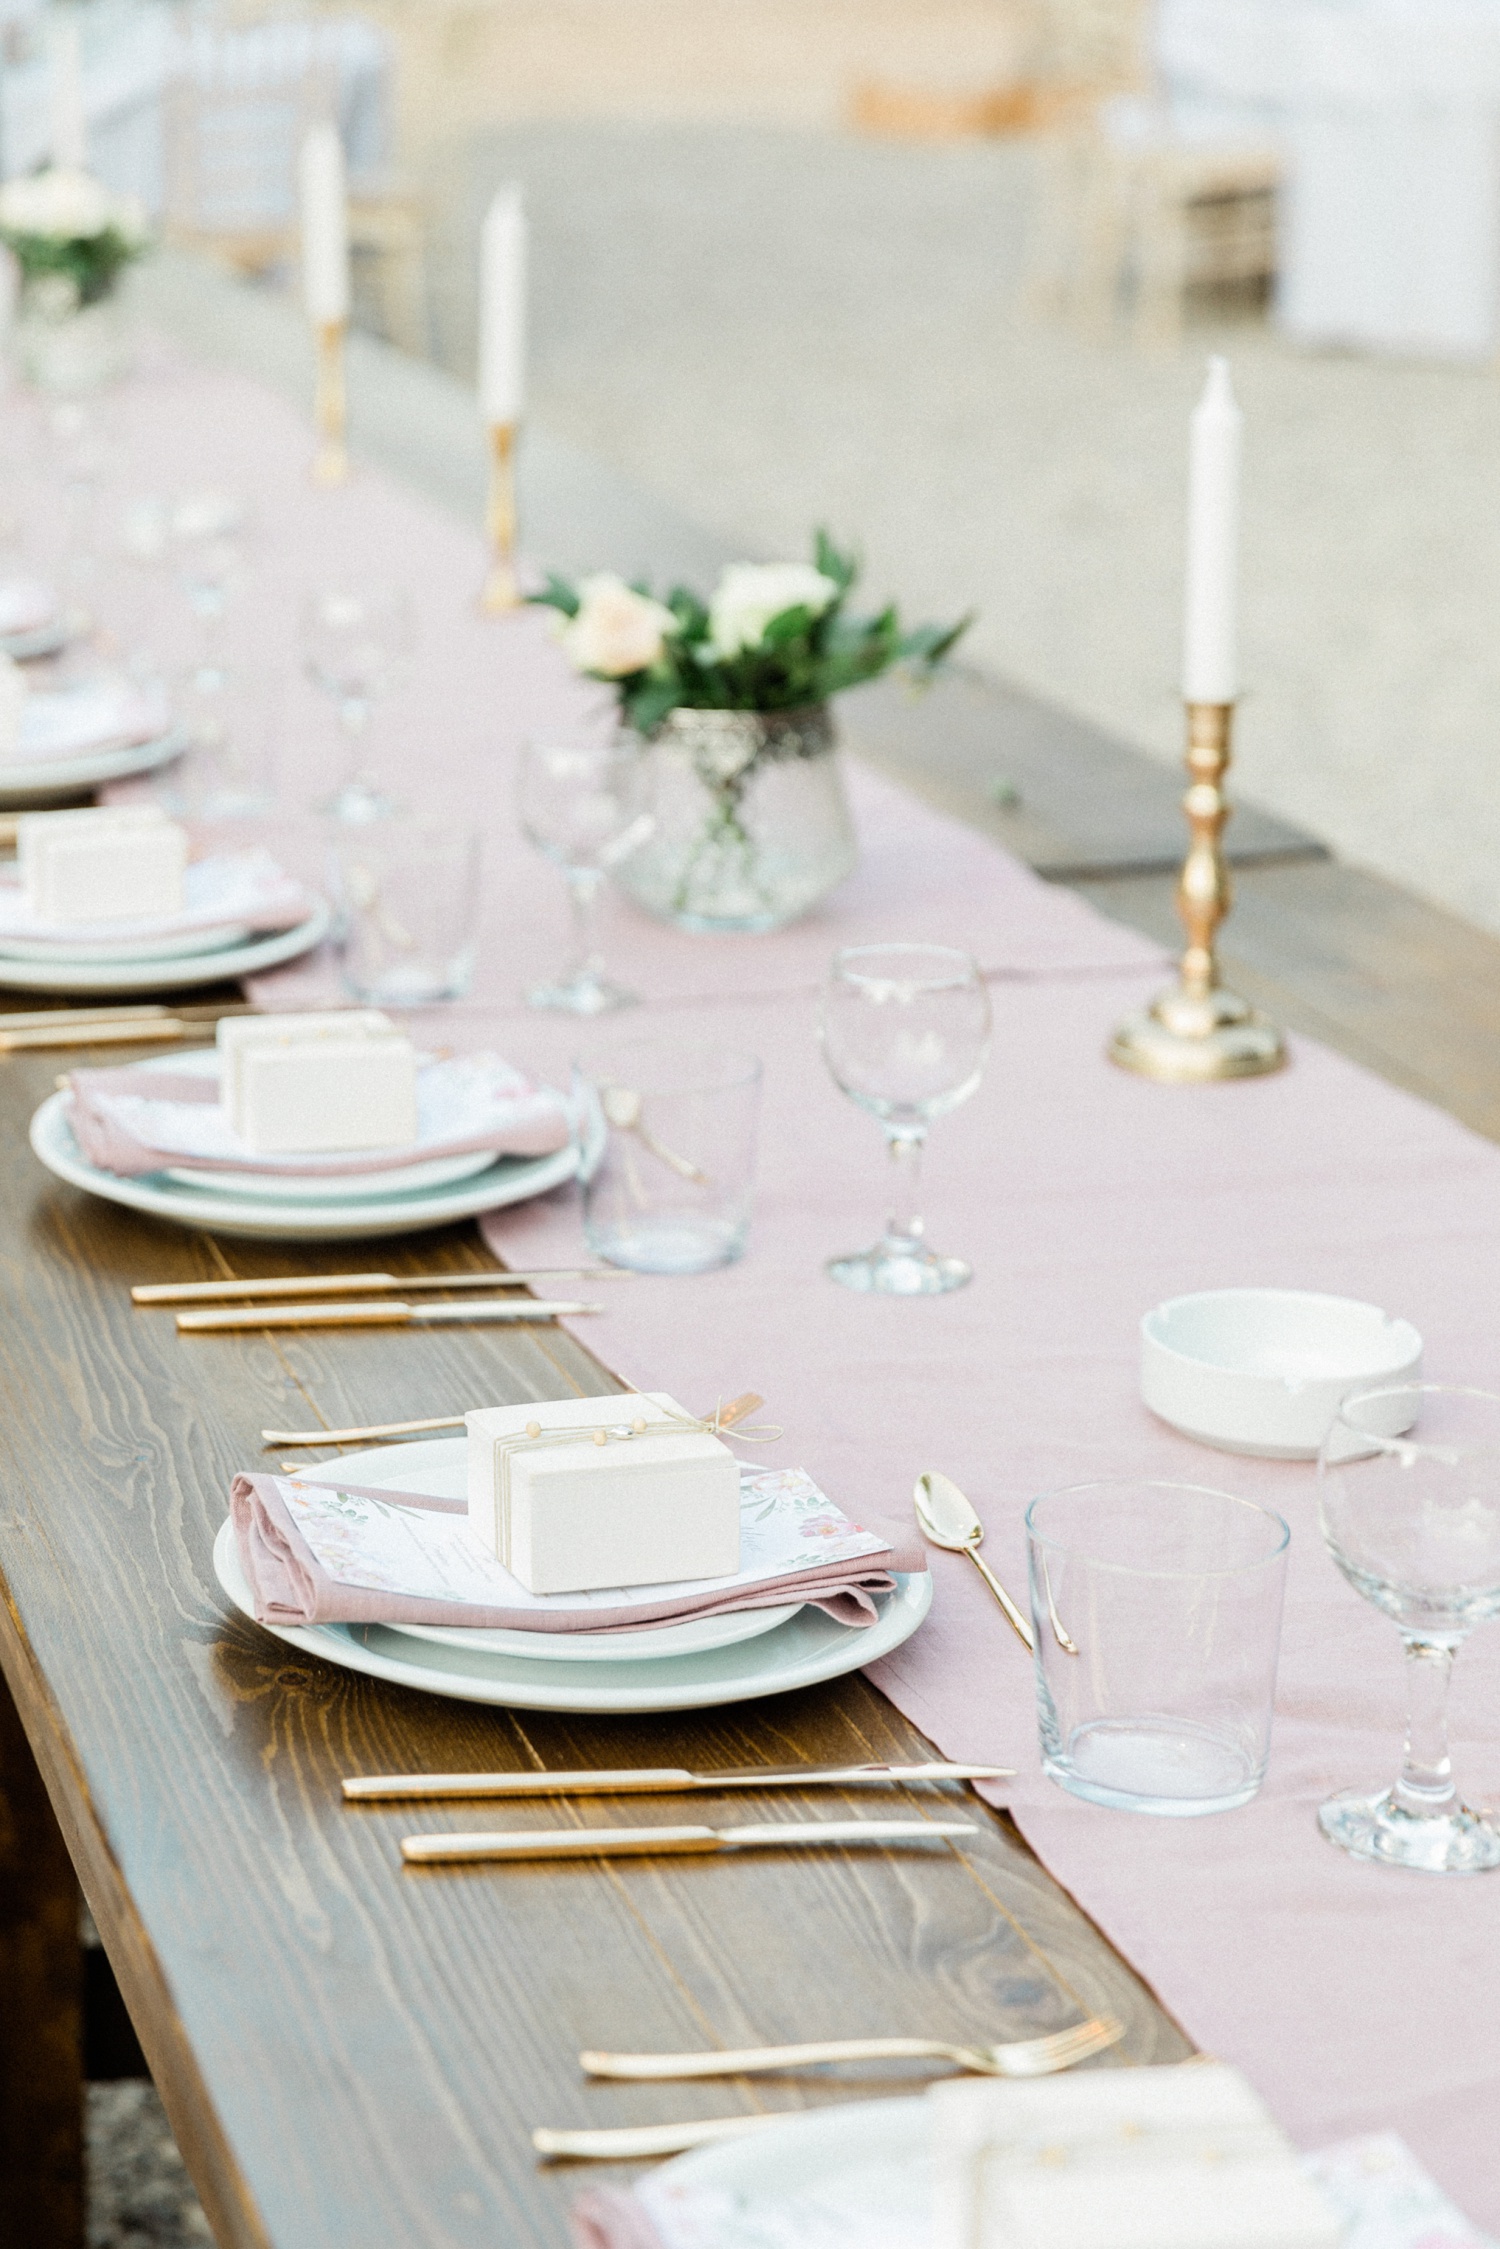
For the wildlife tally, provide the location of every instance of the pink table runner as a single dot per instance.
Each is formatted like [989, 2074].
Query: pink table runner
[1353, 1998]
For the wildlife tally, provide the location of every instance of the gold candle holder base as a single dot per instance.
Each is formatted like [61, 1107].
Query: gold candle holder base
[330, 412]
[1198, 1031]
[501, 592]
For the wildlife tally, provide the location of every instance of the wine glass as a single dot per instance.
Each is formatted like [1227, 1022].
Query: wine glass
[582, 804]
[356, 641]
[208, 531]
[905, 1032]
[1413, 1521]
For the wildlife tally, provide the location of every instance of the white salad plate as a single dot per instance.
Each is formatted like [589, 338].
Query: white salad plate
[804, 1649]
[1261, 1371]
[333, 1187]
[508, 1179]
[98, 952]
[438, 1466]
[861, 2174]
[26, 785]
[175, 973]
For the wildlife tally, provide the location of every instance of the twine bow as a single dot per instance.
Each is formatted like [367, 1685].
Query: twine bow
[720, 1423]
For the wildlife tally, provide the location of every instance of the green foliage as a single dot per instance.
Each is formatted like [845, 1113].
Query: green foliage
[91, 262]
[801, 658]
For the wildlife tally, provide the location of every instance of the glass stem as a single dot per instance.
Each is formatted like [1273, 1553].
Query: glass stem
[904, 1229]
[1425, 1789]
[583, 889]
[354, 717]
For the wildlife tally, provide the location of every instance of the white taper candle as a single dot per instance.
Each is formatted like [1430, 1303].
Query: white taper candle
[325, 226]
[502, 310]
[1209, 672]
[69, 133]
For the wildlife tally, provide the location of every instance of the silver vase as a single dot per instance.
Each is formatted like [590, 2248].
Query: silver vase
[751, 826]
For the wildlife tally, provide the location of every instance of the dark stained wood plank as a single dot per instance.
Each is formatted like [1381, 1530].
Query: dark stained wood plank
[352, 2053]
[41, 2009]
[1063, 795]
[1397, 984]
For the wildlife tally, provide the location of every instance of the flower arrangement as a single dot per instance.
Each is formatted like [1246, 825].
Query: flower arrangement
[70, 237]
[772, 637]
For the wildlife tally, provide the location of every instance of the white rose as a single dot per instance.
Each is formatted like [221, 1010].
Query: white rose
[67, 206]
[617, 630]
[750, 594]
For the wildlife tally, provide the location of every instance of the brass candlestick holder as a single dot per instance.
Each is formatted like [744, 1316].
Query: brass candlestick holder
[330, 406]
[1198, 1030]
[501, 593]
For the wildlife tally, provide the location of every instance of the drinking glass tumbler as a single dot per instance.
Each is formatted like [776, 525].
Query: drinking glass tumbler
[1157, 1615]
[668, 1165]
[407, 894]
[1413, 1521]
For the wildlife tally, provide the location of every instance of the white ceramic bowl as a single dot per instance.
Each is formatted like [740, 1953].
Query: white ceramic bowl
[1262, 1370]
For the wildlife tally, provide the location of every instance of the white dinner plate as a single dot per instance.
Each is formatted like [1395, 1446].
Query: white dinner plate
[97, 952]
[179, 973]
[864, 2167]
[807, 1648]
[506, 1179]
[438, 1466]
[26, 785]
[346, 1187]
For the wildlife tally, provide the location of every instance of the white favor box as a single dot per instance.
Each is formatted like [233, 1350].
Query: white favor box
[1173, 2158]
[116, 863]
[318, 1084]
[646, 1508]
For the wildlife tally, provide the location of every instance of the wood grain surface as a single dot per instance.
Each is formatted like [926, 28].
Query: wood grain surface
[353, 2055]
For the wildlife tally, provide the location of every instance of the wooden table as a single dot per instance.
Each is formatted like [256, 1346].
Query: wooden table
[351, 2054]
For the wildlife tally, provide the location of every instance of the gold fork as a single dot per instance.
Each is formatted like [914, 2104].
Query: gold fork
[1024, 2057]
[1029, 2057]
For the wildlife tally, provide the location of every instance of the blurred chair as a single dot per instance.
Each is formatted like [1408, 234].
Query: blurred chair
[1140, 210]
[240, 96]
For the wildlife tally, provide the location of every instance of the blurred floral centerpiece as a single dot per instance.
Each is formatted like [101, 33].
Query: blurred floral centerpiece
[71, 239]
[731, 698]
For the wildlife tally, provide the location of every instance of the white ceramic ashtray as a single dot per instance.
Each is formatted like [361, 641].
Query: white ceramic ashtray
[1262, 1370]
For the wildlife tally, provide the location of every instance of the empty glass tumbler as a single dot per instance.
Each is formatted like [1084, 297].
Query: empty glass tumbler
[407, 893]
[668, 1167]
[1157, 1614]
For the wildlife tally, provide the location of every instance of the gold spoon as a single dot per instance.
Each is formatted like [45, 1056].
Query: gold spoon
[622, 1107]
[948, 1519]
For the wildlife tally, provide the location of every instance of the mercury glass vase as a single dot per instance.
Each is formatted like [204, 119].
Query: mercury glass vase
[67, 348]
[751, 826]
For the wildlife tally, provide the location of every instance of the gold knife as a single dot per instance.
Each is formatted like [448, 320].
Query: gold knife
[648, 1780]
[636, 1842]
[360, 1284]
[381, 1314]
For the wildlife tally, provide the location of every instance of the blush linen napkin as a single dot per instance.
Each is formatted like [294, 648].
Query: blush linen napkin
[146, 1115]
[346, 1554]
[96, 714]
[227, 891]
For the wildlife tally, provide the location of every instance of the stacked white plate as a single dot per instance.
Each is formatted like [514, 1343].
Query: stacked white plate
[158, 964]
[673, 1666]
[302, 1207]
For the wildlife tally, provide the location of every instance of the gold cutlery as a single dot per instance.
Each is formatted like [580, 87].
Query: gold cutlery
[736, 1410]
[360, 1284]
[647, 1780]
[949, 1521]
[625, 2142]
[636, 1842]
[61, 1027]
[1022, 2057]
[499, 1310]
[126, 1011]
